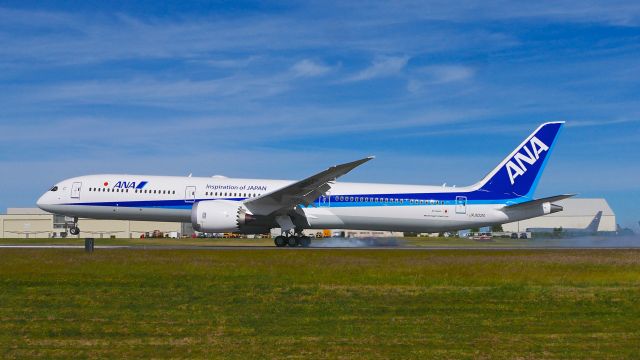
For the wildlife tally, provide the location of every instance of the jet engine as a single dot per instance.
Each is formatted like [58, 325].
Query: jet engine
[220, 216]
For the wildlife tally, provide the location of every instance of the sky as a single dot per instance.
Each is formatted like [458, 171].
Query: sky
[438, 91]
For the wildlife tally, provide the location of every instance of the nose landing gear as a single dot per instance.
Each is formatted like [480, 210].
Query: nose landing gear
[74, 229]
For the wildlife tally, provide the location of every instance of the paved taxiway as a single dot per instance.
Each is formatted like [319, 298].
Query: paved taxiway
[248, 248]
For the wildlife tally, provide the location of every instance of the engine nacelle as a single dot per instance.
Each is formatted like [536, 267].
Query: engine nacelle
[219, 216]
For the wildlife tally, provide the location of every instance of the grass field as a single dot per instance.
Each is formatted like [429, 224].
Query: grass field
[428, 242]
[320, 304]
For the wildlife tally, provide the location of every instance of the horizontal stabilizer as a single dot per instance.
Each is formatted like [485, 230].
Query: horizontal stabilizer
[540, 201]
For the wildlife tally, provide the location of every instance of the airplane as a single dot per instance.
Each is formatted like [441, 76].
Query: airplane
[255, 206]
[591, 229]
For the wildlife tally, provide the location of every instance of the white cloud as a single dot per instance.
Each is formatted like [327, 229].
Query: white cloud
[449, 73]
[229, 63]
[438, 75]
[381, 67]
[309, 68]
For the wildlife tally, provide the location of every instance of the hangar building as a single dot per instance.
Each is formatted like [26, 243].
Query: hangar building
[36, 223]
[576, 214]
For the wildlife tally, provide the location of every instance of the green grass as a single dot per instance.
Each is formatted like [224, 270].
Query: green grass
[320, 304]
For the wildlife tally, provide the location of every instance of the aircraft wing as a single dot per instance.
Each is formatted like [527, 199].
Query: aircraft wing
[302, 192]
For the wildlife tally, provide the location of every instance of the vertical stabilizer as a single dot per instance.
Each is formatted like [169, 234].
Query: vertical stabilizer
[595, 223]
[518, 174]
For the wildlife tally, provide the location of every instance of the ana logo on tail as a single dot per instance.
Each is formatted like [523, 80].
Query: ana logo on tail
[516, 166]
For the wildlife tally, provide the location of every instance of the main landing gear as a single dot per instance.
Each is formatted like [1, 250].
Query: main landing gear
[292, 241]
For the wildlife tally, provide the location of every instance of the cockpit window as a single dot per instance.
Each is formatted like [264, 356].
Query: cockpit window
[55, 188]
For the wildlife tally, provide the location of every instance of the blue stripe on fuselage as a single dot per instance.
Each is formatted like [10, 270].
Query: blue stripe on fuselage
[413, 199]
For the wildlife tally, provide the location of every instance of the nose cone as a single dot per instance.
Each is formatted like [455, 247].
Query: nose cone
[43, 203]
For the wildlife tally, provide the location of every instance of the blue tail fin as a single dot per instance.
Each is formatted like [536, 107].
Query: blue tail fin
[518, 174]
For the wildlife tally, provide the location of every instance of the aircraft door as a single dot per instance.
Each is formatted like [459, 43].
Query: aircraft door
[190, 194]
[461, 204]
[325, 200]
[75, 190]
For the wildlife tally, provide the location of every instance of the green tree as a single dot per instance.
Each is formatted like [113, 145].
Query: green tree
[497, 228]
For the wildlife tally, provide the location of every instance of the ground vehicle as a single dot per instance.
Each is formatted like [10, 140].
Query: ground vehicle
[482, 236]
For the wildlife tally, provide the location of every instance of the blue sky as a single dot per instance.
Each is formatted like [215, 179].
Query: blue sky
[438, 92]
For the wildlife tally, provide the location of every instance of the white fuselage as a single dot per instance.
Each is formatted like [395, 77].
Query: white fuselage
[347, 205]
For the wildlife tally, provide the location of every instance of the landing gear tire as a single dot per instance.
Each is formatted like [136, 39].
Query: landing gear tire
[293, 241]
[74, 230]
[305, 241]
[280, 241]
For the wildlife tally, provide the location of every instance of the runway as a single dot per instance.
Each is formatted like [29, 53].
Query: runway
[273, 248]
